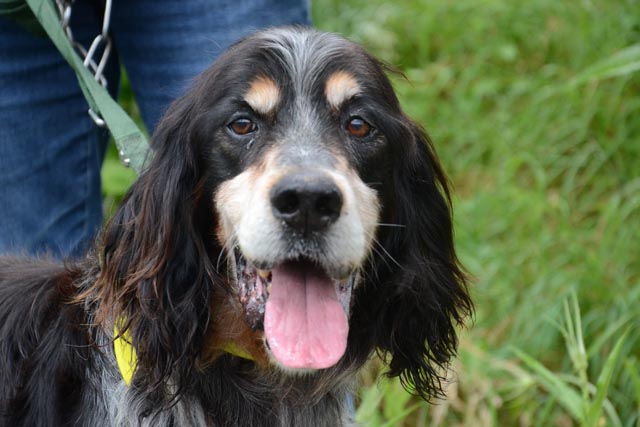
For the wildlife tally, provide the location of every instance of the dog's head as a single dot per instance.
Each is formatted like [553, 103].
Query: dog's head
[289, 186]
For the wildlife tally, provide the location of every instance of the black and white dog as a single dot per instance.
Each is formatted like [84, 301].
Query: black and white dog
[292, 222]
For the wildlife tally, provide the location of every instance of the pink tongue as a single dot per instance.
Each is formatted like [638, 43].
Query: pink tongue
[304, 323]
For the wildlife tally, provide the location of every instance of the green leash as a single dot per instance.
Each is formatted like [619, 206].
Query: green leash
[130, 140]
[36, 15]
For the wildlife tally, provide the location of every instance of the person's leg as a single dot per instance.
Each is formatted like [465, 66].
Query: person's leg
[165, 43]
[50, 150]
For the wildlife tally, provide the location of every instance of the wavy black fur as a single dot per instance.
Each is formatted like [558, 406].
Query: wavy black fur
[157, 267]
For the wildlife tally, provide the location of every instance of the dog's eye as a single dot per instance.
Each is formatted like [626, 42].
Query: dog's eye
[242, 126]
[358, 127]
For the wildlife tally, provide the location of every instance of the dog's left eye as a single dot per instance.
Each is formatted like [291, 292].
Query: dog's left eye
[242, 126]
[357, 127]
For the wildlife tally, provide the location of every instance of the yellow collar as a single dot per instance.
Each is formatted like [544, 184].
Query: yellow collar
[127, 359]
[125, 354]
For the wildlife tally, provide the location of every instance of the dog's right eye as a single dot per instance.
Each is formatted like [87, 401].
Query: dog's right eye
[358, 127]
[242, 126]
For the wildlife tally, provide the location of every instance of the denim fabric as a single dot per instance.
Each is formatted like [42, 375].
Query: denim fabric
[50, 151]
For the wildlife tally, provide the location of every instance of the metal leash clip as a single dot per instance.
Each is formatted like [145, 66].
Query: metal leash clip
[96, 67]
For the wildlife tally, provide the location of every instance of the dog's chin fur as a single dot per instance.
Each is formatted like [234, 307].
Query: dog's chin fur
[323, 116]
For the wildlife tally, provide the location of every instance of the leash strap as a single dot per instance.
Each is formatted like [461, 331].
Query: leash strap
[130, 140]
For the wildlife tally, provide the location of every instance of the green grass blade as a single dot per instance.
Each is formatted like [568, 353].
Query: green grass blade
[395, 399]
[401, 416]
[612, 414]
[610, 331]
[632, 370]
[370, 401]
[602, 386]
[563, 393]
[621, 63]
[116, 179]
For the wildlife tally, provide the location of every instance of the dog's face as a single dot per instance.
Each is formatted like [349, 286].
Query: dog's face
[303, 140]
[291, 159]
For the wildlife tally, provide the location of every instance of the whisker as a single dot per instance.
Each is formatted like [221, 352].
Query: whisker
[369, 275]
[378, 244]
[220, 256]
[381, 224]
[389, 255]
[375, 250]
[228, 247]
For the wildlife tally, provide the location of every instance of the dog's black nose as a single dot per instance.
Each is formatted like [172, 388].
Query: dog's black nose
[306, 201]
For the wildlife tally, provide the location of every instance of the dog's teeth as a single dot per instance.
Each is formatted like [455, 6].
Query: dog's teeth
[269, 289]
[264, 274]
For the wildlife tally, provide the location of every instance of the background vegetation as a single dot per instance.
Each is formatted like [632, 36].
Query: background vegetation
[534, 107]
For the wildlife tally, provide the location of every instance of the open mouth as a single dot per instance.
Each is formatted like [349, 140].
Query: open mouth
[303, 311]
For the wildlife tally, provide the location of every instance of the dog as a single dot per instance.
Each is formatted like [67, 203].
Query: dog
[291, 222]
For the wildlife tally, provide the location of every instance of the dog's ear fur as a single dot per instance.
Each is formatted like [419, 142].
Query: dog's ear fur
[156, 273]
[418, 293]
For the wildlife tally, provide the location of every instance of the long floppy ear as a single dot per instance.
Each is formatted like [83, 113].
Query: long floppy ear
[156, 274]
[418, 293]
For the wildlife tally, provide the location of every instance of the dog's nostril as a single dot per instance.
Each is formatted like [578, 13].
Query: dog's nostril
[306, 201]
[329, 204]
[287, 202]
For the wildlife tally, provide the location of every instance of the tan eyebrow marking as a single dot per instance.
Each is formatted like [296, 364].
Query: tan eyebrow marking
[340, 87]
[263, 95]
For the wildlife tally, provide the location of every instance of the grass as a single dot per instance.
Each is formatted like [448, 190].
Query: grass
[534, 108]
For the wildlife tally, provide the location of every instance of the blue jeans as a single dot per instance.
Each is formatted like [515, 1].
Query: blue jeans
[50, 150]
